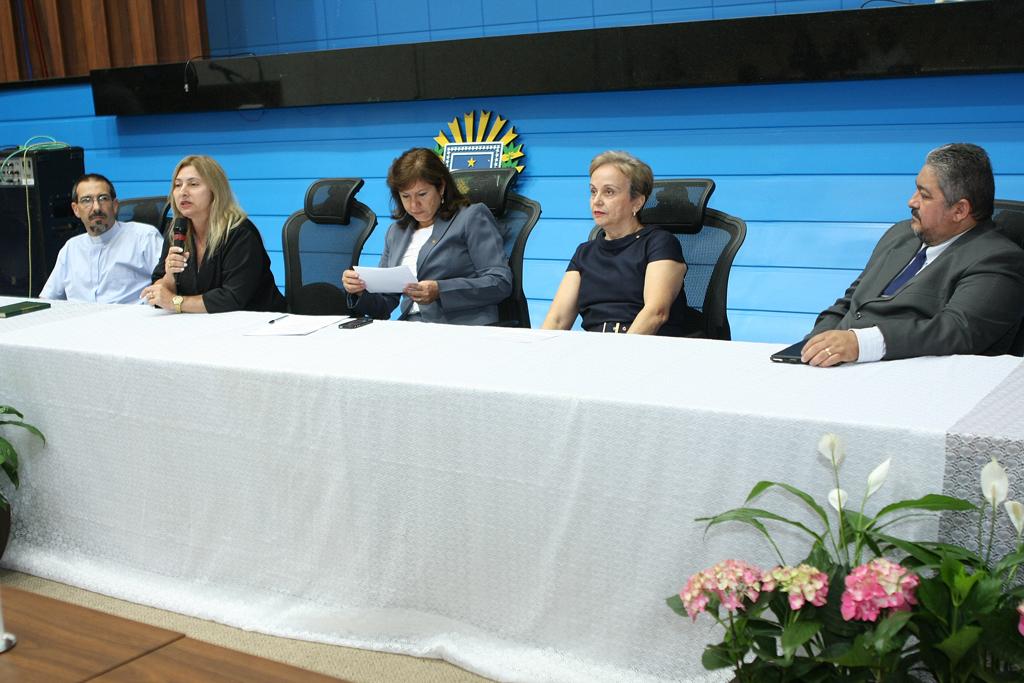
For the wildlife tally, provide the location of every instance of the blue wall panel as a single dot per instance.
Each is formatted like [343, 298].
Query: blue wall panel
[346, 18]
[274, 26]
[510, 12]
[818, 170]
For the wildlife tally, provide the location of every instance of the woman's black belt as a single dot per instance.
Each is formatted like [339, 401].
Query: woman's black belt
[612, 326]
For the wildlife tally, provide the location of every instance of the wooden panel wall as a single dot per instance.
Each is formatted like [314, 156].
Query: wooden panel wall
[8, 46]
[58, 38]
[818, 170]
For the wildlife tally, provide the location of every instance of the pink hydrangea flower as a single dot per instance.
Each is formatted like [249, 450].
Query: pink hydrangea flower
[803, 583]
[1020, 611]
[730, 582]
[879, 584]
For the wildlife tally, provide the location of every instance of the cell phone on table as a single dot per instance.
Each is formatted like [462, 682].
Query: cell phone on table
[353, 324]
[790, 354]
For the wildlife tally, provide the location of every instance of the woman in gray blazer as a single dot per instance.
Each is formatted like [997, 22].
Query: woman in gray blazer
[453, 248]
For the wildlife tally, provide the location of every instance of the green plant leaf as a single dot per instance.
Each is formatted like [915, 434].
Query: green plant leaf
[12, 473]
[763, 627]
[933, 501]
[933, 595]
[765, 648]
[955, 551]
[963, 583]
[746, 514]
[716, 657]
[764, 532]
[9, 461]
[7, 452]
[676, 603]
[1009, 561]
[855, 654]
[959, 644]
[25, 425]
[762, 486]
[8, 410]
[916, 550]
[856, 521]
[1002, 642]
[952, 573]
[984, 598]
[796, 634]
[820, 558]
[885, 638]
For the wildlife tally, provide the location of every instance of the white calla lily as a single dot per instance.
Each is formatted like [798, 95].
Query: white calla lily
[831, 448]
[877, 477]
[837, 498]
[1016, 512]
[995, 486]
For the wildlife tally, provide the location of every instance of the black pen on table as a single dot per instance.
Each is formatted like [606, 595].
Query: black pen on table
[271, 322]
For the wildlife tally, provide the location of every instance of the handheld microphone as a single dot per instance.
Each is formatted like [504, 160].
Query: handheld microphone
[179, 230]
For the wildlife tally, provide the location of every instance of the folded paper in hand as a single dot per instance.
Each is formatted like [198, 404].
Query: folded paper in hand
[386, 280]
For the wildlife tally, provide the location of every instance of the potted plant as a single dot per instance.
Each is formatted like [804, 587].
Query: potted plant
[9, 464]
[866, 605]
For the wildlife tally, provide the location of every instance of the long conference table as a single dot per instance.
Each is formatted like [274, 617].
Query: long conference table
[516, 502]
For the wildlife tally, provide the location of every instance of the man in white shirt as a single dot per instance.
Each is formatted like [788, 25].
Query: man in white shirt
[112, 261]
[945, 282]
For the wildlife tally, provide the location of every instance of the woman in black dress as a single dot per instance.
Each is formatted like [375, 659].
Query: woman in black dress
[224, 265]
[631, 279]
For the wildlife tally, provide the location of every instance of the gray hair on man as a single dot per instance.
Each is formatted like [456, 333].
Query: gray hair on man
[964, 171]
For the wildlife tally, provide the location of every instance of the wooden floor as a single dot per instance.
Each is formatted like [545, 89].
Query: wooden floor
[63, 643]
[347, 663]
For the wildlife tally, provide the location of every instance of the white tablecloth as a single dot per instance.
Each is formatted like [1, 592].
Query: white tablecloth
[993, 429]
[519, 503]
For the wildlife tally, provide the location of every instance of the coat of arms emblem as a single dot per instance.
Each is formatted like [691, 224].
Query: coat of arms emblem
[474, 145]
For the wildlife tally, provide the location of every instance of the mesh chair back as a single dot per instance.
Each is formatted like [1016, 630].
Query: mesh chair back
[516, 216]
[725, 234]
[710, 240]
[1009, 219]
[152, 210]
[320, 242]
[1008, 215]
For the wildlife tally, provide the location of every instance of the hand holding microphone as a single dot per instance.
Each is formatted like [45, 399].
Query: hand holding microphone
[177, 257]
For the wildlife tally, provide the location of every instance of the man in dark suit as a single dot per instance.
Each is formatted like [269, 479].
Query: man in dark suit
[945, 282]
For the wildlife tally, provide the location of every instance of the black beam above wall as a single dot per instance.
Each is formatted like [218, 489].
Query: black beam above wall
[953, 38]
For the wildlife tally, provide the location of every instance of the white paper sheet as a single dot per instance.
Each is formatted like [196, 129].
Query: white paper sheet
[385, 280]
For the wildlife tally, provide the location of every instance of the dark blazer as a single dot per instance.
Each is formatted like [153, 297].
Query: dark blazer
[236, 277]
[969, 300]
[464, 255]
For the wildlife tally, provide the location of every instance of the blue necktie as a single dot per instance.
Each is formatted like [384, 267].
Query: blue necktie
[910, 271]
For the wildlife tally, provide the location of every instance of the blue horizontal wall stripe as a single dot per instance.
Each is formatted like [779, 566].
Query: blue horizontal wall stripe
[264, 26]
[818, 170]
[44, 103]
[769, 326]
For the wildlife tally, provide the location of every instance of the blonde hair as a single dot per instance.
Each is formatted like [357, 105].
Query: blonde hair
[639, 174]
[225, 213]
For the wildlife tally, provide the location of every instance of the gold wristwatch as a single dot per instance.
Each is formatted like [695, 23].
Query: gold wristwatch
[177, 301]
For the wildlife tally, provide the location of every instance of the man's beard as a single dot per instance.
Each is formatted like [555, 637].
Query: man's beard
[98, 227]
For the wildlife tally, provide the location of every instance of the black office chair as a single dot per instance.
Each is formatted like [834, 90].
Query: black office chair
[1009, 219]
[710, 240]
[320, 242]
[516, 215]
[152, 210]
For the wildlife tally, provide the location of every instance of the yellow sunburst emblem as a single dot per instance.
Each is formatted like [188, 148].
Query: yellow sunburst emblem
[473, 145]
